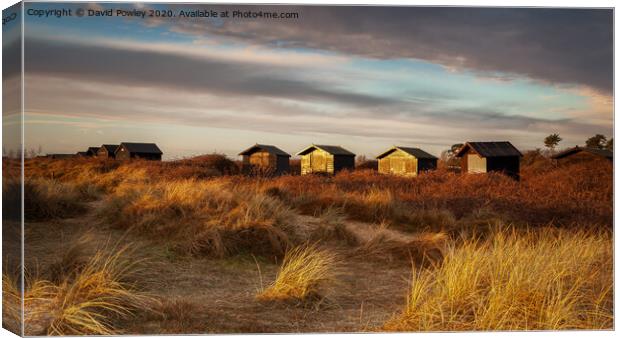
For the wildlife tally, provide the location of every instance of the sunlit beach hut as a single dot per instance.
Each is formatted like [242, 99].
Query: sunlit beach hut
[145, 151]
[406, 161]
[265, 159]
[483, 157]
[325, 159]
[107, 151]
[583, 154]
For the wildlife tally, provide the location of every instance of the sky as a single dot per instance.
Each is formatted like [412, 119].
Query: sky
[365, 78]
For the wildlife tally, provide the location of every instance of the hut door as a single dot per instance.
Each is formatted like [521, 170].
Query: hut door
[260, 159]
[306, 165]
[476, 164]
[264, 161]
[398, 165]
[317, 162]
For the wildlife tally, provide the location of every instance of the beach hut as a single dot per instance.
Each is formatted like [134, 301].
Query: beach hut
[583, 154]
[325, 159]
[146, 151]
[92, 151]
[107, 151]
[266, 159]
[406, 161]
[483, 157]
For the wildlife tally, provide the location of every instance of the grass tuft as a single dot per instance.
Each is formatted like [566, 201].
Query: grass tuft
[90, 302]
[305, 272]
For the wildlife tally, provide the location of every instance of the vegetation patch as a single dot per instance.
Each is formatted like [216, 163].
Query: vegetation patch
[213, 218]
[90, 302]
[305, 273]
[549, 279]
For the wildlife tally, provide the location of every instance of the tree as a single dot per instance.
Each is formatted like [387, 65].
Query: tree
[552, 141]
[610, 144]
[449, 156]
[455, 148]
[597, 141]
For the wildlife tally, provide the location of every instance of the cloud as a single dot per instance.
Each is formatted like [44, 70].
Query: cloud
[267, 80]
[181, 71]
[119, 106]
[560, 46]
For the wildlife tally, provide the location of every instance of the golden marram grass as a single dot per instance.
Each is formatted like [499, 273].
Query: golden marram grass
[534, 280]
[85, 302]
[306, 270]
[488, 253]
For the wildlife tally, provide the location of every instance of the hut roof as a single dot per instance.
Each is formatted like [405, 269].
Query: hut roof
[491, 149]
[334, 150]
[81, 153]
[143, 148]
[415, 152]
[268, 148]
[111, 148]
[599, 152]
[92, 150]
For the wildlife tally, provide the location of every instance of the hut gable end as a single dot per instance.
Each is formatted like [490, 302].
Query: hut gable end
[147, 151]
[107, 151]
[265, 159]
[405, 161]
[483, 157]
[92, 151]
[325, 159]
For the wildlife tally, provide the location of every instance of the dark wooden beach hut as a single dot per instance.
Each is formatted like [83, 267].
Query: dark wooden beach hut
[583, 154]
[92, 151]
[483, 157]
[325, 159]
[145, 151]
[266, 159]
[107, 151]
[406, 161]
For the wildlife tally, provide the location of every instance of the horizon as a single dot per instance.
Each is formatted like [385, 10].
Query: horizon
[365, 78]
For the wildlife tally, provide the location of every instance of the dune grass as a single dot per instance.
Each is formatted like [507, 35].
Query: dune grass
[212, 218]
[469, 275]
[11, 303]
[89, 302]
[579, 193]
[549, 279]
[305, 272]
[332, 227]
[48, 199]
